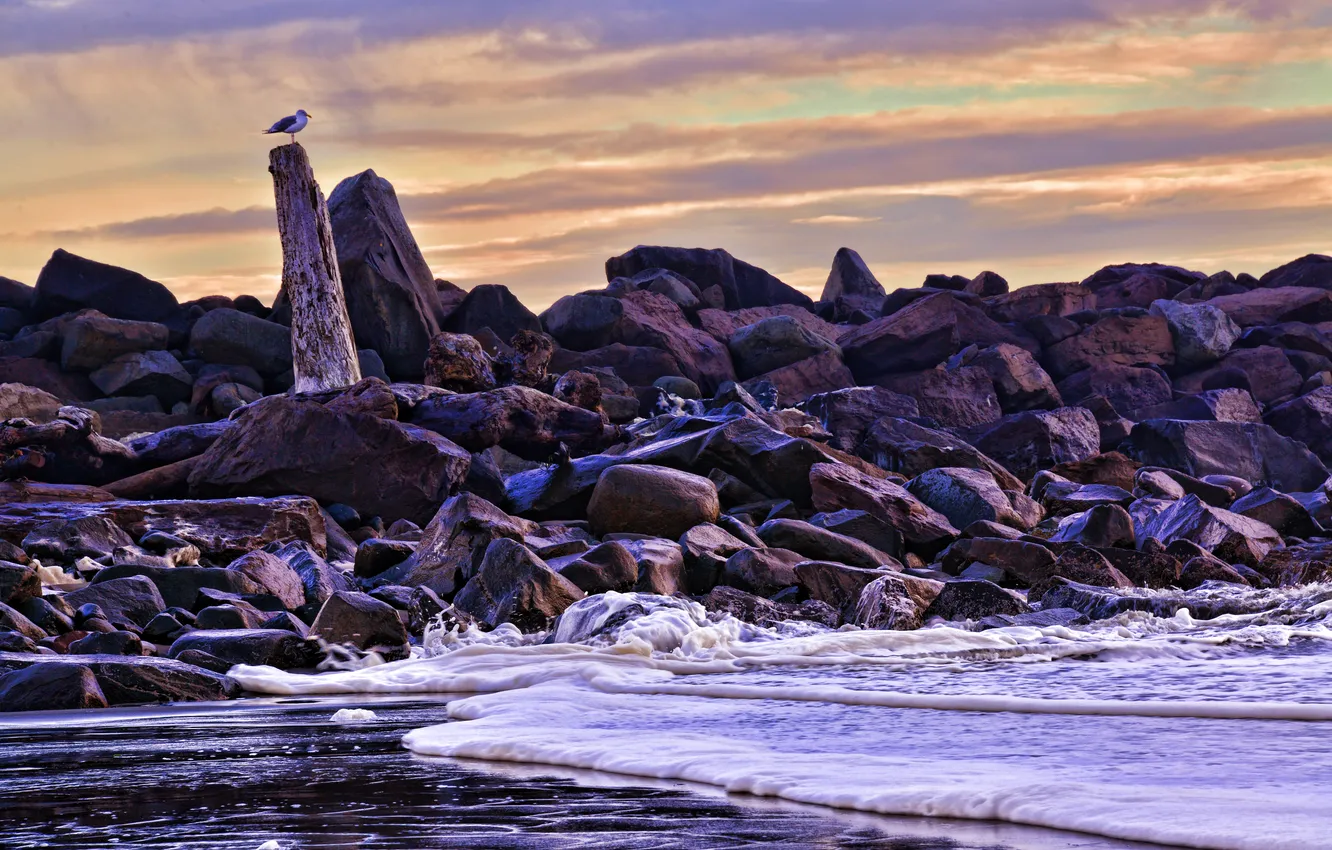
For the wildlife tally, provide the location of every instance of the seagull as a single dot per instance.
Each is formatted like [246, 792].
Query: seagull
[291, 125]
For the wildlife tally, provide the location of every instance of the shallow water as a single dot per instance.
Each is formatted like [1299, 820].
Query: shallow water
[1212, 734]
[235, 776]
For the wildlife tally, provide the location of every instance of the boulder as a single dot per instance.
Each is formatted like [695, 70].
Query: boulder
[852, 286]
[92, 340]
[838, 585]
[522, 420]
[64, 540]
[721, 325]
[16, 296]
[257, 647]
[69, 282]
[636, 364]
[902, 446]
[748, 608]
[180, 586]
[1026, 562]
[1270, 306]
[704, 549]
[319, 578]
[1252, 451]
[25, 402]
[1108, 275]
[1046, 299]
[1083, 565]
[44, 375]
[457, 362]
[274, 575]
[13, 620]
[1227, 405]
[1202, 333]
[895, 602]
[919, 336]
[964, 496]
[1110, 468]
[1210, 528]
[390, 293]
[838, 486]
[1117, 339]
[803, 379]
[1102, 526]
[1126, 388]
[491, 305]
[1284, 513]
[50, 687]
[973, 600]
[18, 582]
[1307, 419]
[133, 600]
[375, 555]
[362, 621]
[1019, 381]
[1312, 270]
[847, 414]
[955, 398]
[585, 321]
[512, 585]
[1152, 567]
[1265, 371]
[1026, 443]
[651, 500]
[231, 337]
[661, 567]
[761, 571]
[741, 284]
[822, 544]
[608, 566]
[107, 643]
[154, 373]
[773, 343]
[283, 445]
[223, 530]
[1138, 290]
[453, 544]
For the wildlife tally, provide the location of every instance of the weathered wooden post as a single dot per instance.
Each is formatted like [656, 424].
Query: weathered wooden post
[323, 352]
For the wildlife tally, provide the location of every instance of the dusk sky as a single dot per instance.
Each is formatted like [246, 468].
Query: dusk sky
[528, 141]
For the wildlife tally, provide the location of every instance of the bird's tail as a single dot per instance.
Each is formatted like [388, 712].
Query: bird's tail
[265, 132]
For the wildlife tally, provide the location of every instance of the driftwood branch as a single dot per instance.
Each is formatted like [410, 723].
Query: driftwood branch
[322, 349]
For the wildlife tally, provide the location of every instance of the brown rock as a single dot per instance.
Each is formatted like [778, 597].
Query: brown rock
[651, 500]
[955, 398]
[457, 362]
[837, 487]
[1114, 339]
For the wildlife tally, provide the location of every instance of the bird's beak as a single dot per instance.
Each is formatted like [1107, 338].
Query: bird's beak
[308, 115]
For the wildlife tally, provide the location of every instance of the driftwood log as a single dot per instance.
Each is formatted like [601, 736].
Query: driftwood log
[323, 352]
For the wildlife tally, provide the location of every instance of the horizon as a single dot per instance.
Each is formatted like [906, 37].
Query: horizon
[528, 143]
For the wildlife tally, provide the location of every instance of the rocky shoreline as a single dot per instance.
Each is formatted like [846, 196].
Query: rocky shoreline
[956, 452]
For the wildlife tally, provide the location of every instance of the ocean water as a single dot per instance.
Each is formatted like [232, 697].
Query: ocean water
[1167, 729]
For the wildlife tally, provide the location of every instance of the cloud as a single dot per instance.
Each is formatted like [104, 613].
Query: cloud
[208, 222]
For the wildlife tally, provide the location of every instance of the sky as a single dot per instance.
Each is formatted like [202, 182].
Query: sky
[529, 140]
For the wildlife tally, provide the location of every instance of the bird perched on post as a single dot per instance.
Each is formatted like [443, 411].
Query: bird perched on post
[291, 125]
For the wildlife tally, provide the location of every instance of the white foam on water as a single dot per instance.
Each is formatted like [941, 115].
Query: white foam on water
[652, 687]
[705, 741]
[353, 715]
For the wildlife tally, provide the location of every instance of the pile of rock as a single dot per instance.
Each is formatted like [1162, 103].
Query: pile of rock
[955, 452]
